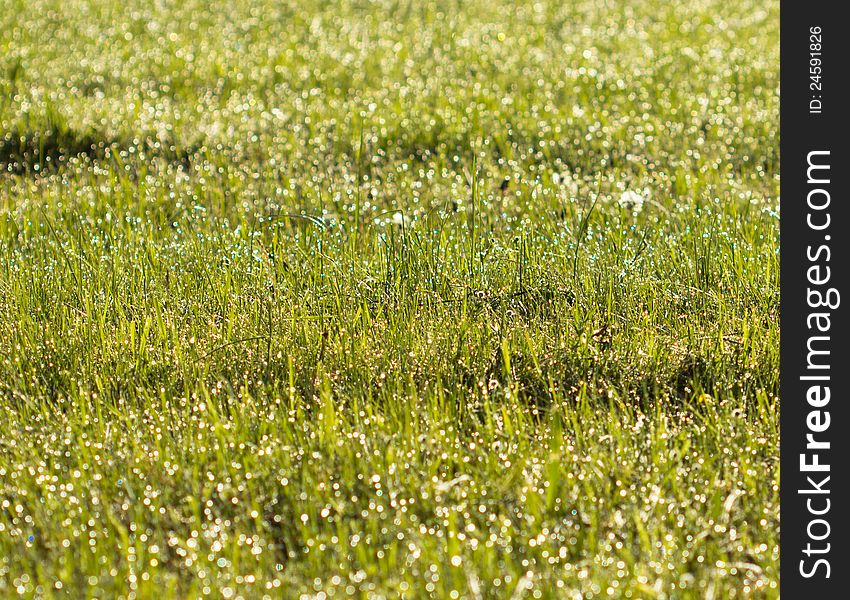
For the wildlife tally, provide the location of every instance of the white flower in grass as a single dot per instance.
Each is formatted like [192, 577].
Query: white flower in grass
[631, 200]
[565, 182]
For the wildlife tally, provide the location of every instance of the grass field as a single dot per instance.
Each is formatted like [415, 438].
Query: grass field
[427, 299]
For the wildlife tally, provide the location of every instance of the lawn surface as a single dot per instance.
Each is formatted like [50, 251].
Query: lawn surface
[429, 299]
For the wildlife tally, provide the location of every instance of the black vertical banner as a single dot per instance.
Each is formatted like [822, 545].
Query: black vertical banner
[815, 375]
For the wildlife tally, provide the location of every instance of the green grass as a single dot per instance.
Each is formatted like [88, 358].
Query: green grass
[321, 301]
